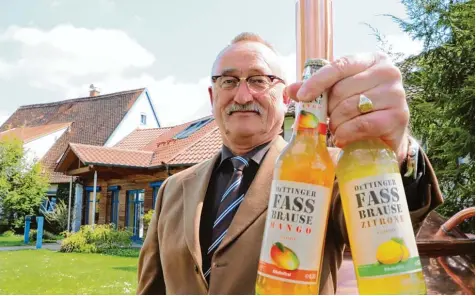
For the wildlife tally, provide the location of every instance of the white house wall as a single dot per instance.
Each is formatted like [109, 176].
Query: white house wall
[132, 120]
[36, 149]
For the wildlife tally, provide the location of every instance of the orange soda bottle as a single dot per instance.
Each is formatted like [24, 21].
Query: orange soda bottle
[298, 209]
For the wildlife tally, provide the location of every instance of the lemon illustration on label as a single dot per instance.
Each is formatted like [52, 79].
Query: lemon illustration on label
[284, 257]
[308, 120]
[392, 251]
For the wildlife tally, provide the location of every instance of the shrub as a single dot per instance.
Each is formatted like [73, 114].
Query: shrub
[9, 233]
[47, 236]
[96, 239]
[147, 219]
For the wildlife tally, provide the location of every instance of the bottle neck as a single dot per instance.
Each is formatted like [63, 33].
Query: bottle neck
[311, 119]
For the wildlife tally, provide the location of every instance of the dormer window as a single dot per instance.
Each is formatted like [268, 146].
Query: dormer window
[143, 119]
[192, 128]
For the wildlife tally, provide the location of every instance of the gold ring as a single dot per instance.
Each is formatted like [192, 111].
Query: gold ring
[365, 104]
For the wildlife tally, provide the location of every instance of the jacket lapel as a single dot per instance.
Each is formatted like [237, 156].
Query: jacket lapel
[257, 196]
[194, 189]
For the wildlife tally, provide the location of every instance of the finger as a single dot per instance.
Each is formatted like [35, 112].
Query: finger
[330, 74]
[380, 73]
[292, 89]
[348, 108]
[385, 124]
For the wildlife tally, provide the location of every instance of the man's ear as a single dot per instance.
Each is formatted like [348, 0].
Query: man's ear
[210, 93]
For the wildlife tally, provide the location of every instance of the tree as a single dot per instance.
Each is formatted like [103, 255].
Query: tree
[23, 184]
[442, 109]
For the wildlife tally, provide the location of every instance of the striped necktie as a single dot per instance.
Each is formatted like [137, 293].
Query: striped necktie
[229, 203]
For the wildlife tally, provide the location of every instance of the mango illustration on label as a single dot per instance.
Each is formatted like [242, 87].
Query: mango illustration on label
[284, 257]
[295, 225]
[308, 120]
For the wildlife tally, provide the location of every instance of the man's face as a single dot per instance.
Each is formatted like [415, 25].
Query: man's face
[243, 113]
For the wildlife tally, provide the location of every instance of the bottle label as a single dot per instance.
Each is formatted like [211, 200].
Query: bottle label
[313, 115]
[380, 225]
[294, 231]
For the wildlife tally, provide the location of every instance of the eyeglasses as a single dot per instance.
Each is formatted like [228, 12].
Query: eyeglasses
[256, 83]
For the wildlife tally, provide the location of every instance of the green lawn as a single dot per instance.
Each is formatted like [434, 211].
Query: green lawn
[10, 241]
[17, 240]
[48, 272]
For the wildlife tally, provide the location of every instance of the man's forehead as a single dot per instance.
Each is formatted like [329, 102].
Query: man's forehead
[247, 57]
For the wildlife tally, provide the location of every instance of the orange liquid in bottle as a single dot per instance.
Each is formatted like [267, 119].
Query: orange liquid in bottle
[298, 210]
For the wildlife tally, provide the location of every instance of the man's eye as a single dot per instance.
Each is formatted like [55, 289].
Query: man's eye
[258, 81]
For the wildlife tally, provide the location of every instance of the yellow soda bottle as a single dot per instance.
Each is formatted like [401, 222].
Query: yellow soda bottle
[382, 241]
[298, 209]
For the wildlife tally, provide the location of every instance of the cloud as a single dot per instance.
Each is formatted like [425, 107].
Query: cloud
[67, 59]
[400, 46]
[404, 44]
[53, 58]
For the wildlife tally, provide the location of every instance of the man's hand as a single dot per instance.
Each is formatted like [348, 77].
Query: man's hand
[345, 79]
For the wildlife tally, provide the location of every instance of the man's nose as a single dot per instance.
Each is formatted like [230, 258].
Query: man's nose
[243, 94]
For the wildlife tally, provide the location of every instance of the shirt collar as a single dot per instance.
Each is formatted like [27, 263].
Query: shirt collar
[257, 154]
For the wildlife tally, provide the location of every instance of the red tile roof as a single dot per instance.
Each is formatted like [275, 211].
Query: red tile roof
[165, 149]
[93, 121]
[200, 151]
[28, 134]
[141, 139]
[89, 154]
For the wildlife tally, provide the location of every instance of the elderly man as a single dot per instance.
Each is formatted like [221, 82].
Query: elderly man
[182, 254]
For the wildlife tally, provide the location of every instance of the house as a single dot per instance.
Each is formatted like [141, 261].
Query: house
[118, 184]
[102, 120]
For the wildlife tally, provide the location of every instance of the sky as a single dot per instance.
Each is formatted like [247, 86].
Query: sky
[53, 50]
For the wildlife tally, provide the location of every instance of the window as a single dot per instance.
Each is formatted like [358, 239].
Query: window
[112, 206]
[90, 212]
[143, 119]
[48, 205]
[155, 189]
[135, 213]
[192, 128]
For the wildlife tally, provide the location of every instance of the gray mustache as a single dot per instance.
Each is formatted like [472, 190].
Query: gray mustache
[248, 107]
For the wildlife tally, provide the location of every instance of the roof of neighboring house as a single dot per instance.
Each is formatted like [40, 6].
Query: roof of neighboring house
[106, 155]
[184, 144]
[167, 147]
[141, 138]
[93, 121]
[200, 150]
[29, 134]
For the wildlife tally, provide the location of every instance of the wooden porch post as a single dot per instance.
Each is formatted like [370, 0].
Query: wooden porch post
[69, 202]
[94, 197]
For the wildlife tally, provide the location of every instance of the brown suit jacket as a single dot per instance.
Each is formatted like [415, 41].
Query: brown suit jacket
[170, 260]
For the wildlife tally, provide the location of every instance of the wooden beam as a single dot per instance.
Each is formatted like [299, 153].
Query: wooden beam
[126, 171]
[80, 171]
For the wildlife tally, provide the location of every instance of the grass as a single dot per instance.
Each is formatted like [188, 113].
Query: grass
[11, 240]
[17, 240]
[49, 272]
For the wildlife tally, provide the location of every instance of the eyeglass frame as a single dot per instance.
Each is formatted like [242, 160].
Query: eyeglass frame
[240, 79]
